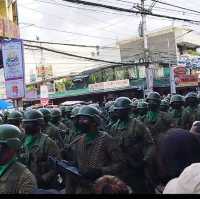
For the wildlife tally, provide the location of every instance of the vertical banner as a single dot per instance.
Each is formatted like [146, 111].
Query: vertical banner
[13, 62]
[149, 78]
[44, 95]
[172, 81]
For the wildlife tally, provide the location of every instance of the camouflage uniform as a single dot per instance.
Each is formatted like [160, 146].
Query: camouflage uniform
[135, 141]
[192, 112]
[102, 153]
[142, 108]
[15, 178]
[66, 116]
[176, 112]
[34, 153]
[99, 153]
[57, 130]
[157, 121]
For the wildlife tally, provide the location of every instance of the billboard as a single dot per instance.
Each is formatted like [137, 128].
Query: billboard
[44, 71]
[13, 62]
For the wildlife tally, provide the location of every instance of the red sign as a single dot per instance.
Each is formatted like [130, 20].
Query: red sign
[179, 71]
[44, 101]
[187, 80]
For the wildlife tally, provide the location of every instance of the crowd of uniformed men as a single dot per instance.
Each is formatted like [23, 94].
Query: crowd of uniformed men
[116, 141]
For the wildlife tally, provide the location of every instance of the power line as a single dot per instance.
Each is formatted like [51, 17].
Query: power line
[80, 8]
[175, 6]
[77, 56]
[129, 11]
[73, 33]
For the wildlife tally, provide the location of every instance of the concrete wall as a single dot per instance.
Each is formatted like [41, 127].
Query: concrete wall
[158, 45]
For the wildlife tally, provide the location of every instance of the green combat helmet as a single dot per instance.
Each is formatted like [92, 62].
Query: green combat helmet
[46, 113]
[142, 105]
[10, 135]
[176, 98]
[191, 95]
[33, 116]
[15, 116]
[191, 99]
[122, 103]
[164, 105]
[55, 113]
[75, 111]
[90, 111]
[142, 108]
[154, 96]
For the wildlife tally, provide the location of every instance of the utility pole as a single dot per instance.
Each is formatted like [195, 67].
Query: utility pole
[148, 70]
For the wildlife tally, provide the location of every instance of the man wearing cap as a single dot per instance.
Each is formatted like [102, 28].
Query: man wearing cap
[15, 178]
[36, 149]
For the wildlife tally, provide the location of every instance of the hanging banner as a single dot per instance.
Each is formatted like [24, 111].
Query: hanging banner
[149, 78]
[13, 62]
[44, 95]
[172, 79]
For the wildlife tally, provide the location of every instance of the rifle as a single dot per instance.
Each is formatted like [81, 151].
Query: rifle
[63, 166]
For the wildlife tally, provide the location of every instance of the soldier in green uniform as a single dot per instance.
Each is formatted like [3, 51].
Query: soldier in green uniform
[106, 111]
[74, 131]
[66, 116]
[134, 110]
[177, 107]
[112, 118]
[57, 131]
[36, 149]
[164, 106]
[15, 118]
[157, 121]
[47, 116]
[15, 178]
[95, 153]
[192, 112]
[135, 141]
[142, 108]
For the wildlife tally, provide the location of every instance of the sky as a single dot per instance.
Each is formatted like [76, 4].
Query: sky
[59, 21]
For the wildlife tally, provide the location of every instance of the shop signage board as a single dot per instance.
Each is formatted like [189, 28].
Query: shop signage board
[109, 85]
